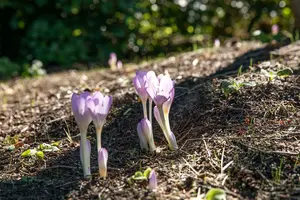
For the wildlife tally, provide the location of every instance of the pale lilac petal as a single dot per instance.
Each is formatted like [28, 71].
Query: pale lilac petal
[90, 104]
[85, 95]
[74, 102]
[160, 99]
[81, 105]
[167, 104]
[158, 118]
[152, 180]
[80, 110]
[165, 86]
[102, 105]
[107, 101]
[139, 82]
[152, 86]
[160, 76]
[142, 137]
[173, 143]
[97, 97]
[102, 162]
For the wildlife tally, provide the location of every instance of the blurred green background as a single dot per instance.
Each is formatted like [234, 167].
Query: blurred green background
[66, 34]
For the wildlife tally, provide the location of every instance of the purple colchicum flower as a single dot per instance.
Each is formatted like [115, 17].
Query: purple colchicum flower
[161, 90]
[275, 29]
[152, 180]
[99, 106]
[139, 82]
[112, 61]
[144, 129]
[85, 148]
[83, 119]
[80, 110]
[102, 162]
[119, 64]
[217, 43]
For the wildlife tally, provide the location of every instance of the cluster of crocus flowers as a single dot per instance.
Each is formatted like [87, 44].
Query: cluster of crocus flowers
[160, 90]
[89, 107]
[114, 63]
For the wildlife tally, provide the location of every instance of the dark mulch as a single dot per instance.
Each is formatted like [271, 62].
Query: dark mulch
[256, 127]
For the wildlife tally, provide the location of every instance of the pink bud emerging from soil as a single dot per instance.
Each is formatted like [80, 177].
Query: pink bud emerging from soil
[102, 162]
[145, 134]
[152, 180]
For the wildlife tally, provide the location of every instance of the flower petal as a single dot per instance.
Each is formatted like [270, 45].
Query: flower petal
[102, 162]
[152, 180]
[142, 137]
[165, 86]
[160, 99]
[98, 98]
[152, 84]
[158, 118]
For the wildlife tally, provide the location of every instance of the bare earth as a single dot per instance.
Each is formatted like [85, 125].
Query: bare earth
[258, 128]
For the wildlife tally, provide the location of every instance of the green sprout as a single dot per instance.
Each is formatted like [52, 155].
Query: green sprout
[215, 194]
[276, 174]
[39, 151]
[229, 87]
[140, 176]
[279, 74]
[240, 71]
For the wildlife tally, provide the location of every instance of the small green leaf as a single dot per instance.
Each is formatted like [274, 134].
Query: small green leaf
[215, 194]
[28, 153]
[271, 75]
[147, 172]
[138, 176]
[56, 143]
[249, 84]
[240, 71]
[40, 154]
[284, 72]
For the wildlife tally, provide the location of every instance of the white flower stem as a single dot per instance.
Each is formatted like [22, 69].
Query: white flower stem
[150, 111]
[98, 134]
[151, 142]
[85, 157]
[144, 102]
[166, 129]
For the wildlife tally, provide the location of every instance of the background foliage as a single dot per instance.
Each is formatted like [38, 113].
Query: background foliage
[61, 33]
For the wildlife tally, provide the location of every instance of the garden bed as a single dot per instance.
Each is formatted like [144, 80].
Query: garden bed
[256, 128]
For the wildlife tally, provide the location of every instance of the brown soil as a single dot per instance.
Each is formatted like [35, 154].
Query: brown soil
[258, 128]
